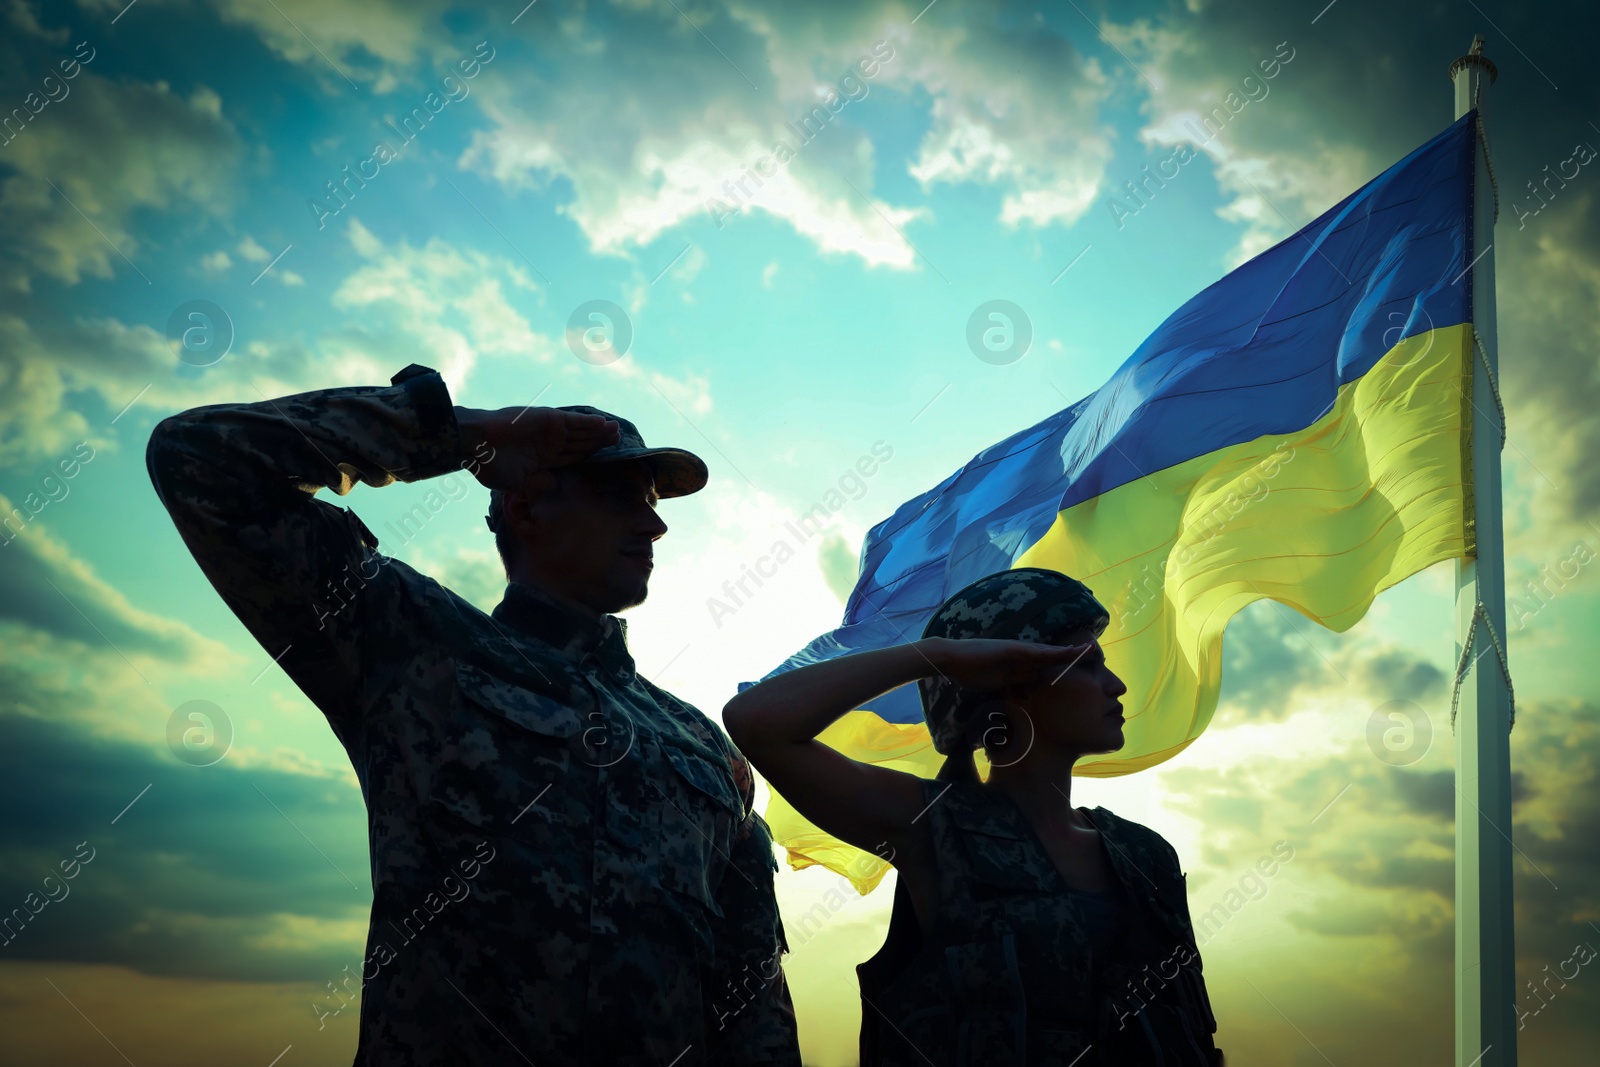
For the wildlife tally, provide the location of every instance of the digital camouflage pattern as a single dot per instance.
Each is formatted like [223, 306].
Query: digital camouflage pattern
[1022, 604]
[1011, 976]
[566, 867]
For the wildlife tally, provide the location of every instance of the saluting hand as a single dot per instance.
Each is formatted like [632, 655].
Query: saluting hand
[518, 447]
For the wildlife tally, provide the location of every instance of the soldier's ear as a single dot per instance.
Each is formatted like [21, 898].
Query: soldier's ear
[524, 504]
[1015, 698]
[518, 513]
[993, 722]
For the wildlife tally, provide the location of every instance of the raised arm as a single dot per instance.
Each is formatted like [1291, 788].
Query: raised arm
[776, 724]
[239, 481]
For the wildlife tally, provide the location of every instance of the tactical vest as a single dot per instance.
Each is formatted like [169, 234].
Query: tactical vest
[1008, 977]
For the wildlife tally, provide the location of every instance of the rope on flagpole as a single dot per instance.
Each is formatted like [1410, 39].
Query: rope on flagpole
[1483, 138]
[1494, 385]
[1488, 161]
[1480, 612]
[1494, 189]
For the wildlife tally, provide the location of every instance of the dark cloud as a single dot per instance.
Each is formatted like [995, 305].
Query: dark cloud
[1428, 793]
[1396, 674]
[1265, 659]
[49, 590]
[1550, 330]
[162, 151]
[1433, 793]
[196, 877]
[1556, 748]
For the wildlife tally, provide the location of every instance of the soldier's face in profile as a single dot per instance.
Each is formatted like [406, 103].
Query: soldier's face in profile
[593, 537]
[1081, 709]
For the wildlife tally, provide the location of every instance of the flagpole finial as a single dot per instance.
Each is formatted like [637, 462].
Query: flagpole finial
[1475, 57]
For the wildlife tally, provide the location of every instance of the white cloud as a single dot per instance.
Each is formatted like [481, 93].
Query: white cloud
[688, 396]
[252, 251]
[1014, 110]
[1018, 111]
[454, 302]
[635, 184]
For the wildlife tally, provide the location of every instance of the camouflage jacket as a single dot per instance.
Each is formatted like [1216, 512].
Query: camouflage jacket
[1010, 976]
[566, 868]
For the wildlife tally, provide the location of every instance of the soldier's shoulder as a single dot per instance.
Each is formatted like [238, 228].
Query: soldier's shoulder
[444, 607]
[1135, 836]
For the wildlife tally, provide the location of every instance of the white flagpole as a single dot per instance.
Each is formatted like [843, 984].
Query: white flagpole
[1486, 1031]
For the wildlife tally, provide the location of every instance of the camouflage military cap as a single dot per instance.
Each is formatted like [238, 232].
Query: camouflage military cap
[1023, 604]
[677, 472]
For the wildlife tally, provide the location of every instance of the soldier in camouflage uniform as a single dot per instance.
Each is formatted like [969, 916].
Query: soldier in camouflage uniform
[1025, 932]
[566, 868]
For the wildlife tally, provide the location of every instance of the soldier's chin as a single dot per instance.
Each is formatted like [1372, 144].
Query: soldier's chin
[1115, 742]
[629, 593]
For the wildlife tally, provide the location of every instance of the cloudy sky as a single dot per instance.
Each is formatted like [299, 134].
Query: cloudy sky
[785, 314]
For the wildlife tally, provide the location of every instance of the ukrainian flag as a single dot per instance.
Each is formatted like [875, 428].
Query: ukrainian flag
[1298, 431]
